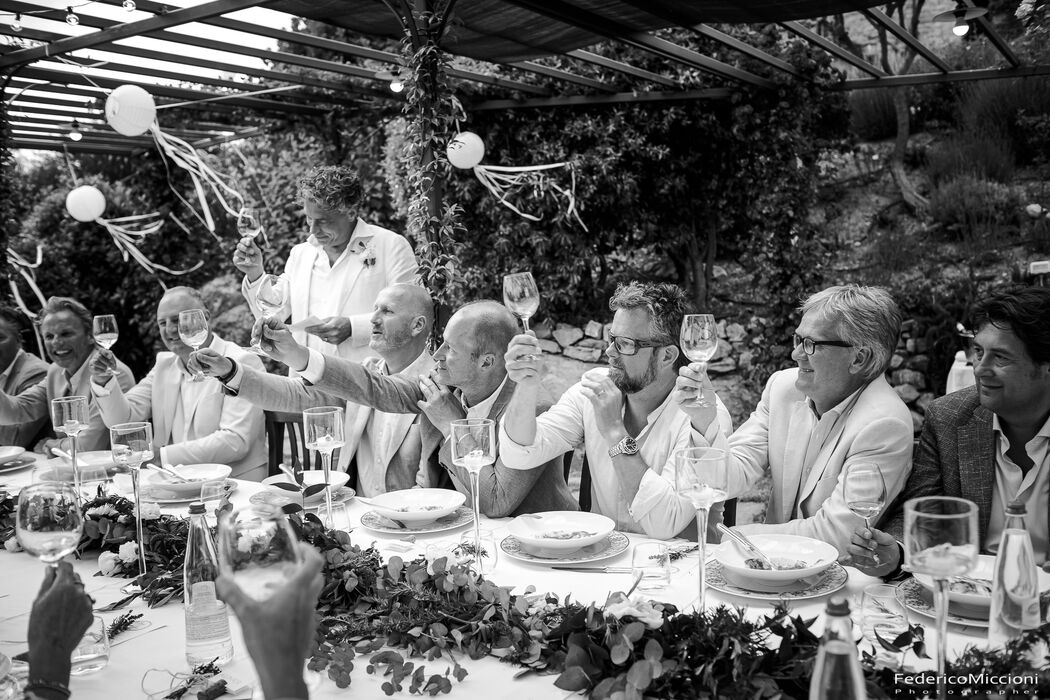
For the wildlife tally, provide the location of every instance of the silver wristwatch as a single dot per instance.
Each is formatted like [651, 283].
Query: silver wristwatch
[627, 446]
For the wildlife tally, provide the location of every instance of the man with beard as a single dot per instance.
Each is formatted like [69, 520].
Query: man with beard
[469, 380]
[624, 415]
[193, 421]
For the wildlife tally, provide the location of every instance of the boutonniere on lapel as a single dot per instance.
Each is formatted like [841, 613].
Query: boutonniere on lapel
[366, 249]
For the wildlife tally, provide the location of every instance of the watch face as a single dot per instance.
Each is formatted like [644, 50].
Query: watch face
[629, 446]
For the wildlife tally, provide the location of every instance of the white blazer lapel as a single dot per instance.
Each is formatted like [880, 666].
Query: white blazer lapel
[801, 424]
[165, 395]
[355, 261]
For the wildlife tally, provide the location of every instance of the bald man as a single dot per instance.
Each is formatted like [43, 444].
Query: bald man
[194, 421]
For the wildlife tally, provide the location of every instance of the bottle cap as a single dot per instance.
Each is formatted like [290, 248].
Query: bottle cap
[197, 508]
[838, 605]
[1016, 508]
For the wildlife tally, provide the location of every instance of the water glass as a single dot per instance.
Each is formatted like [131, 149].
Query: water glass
[486, 549]
[212, 495]
[651, 566]
[339, 519]
[92, 654]
[257, 548]
[883, 613]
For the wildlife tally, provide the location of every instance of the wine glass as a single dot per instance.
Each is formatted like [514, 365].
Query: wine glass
[193, 331]
[256, 546]
[48, 521]
[940, 540]
[521, 296]
[271, 297]
[699, 340]
[473, 447]
[865, 492]
[104, 329]
[132, 444]
[69, 415]
[248, 225]
[883, 614]
[701, 476]
[323, 428]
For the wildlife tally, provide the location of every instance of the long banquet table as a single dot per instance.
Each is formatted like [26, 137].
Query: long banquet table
[160, 646]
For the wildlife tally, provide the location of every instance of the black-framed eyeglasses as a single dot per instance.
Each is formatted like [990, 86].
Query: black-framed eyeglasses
[630, 346]
[809, 346]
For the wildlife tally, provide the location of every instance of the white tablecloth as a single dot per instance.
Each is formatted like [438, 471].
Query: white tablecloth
[161, 646]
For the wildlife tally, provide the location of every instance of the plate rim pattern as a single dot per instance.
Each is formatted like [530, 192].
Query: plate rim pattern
[616, 543]
[909, 593]
[464, 515]
[834, 578]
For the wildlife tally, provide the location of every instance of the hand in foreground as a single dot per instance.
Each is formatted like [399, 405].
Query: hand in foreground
[439, 405]
[248, 258]
[210, 363]
[691, 380]
[60, 616]
[45, 446]
[523, 359]
[276, 341]
[607, 401]
[866, 542]
[100, 363]
[278, 631]
[334, 329]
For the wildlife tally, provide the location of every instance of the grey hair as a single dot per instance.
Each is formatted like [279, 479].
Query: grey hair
[56, 305]
[867, 317]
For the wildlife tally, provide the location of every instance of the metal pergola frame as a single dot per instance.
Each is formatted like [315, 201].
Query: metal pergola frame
[294, 84]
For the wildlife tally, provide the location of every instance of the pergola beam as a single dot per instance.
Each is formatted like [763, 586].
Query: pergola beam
[625, 68]
[881, 18]
[997, 40]
[73, 146]
[832, 48]
[125, 30]
[951, 77]
[595, 100]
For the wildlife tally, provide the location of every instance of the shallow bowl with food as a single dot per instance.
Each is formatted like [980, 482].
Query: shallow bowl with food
[195, 475]
[797, 557]
[417, 506]
[311, 477]
[560, 531]
[973, 592]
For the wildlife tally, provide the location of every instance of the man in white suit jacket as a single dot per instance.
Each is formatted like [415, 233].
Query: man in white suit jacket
[194, 422]
[335, 276]
[813, 421]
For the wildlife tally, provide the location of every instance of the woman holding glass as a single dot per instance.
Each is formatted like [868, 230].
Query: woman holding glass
[66, 327]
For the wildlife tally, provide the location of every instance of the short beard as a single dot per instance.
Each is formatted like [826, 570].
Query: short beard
[632, 386]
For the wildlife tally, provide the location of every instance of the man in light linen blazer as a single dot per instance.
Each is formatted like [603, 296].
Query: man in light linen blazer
[20, 372]
[813, 421]
[194, 422]
[335, 276]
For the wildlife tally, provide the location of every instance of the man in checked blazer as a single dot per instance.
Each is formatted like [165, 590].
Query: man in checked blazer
[988, 443]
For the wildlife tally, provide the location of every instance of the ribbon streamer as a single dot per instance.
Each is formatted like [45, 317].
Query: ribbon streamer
[28, 272]
[501, 179]
[127, 233]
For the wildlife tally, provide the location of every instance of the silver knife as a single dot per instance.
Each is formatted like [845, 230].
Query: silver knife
[598, 569]
[747, 545]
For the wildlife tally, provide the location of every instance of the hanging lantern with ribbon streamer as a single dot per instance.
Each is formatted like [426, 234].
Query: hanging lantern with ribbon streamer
[465, 151]
[87, 203]
[130, 110]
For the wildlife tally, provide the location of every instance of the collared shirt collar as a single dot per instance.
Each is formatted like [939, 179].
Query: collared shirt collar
[841, 406]
[482, 408]
[1044, 432]
[74, 380]
[360, 232]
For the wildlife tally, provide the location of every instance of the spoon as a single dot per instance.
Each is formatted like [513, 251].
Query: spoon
[169, 472]
[370, 502]
[748, 546]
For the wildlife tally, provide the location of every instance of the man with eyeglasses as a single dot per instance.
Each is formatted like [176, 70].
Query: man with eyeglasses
[623, 415]
[813, 421]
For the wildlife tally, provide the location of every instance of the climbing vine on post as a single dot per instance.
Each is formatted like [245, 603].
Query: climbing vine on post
[431, 110]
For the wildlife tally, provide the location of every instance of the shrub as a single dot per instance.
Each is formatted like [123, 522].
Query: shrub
[972, 209]
[871, 114]
[985, 156]
[1003, 106]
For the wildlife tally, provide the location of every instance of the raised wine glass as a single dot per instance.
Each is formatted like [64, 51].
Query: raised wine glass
[701, 476]
[323, 428]
[699, 341]
[865, 491]
[248, 225]
[69, 415]
[48, 521]
[131, 445]
[256, 546]
[271, 297]
[521, 296]
[193, 331]
[104, 328]
[473, 447]
[940, 540]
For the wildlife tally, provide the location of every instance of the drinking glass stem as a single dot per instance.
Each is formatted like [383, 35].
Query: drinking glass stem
[940, 599]
[701, 541]
[874, 555]
[138, 517]
[475, 500]
[525, 323]
[701, 399]
[326, 465]
[76, 472]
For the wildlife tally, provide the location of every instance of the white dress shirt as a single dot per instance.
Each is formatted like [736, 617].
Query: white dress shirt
[1011, 484]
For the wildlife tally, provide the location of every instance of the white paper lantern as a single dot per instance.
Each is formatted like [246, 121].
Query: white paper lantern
[465, 150]
[85, 203]
[130, 110]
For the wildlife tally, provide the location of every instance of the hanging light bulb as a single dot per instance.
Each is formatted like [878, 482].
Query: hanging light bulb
[74, 132]
[961, 27]
[71, 17]
[961, 17]
[397, 84]
[16, 25]
[129, 5]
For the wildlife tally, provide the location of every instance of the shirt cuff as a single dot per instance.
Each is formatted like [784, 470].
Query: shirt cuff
[234, 382]
[314, 368]
[164, 455]
[105, 390]
[650, 494]
[512, 454]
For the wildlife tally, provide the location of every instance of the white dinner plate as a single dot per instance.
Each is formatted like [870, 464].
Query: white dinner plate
[974, 604]
[615, 543]
[830, 580]
[17, 463]
[167, 498]
[373, 520]
[280, 498]
[554, 534]
[9, 453]
[917, 599]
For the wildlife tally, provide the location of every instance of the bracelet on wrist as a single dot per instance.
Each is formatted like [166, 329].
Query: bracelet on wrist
[229, 375]
[35, 684]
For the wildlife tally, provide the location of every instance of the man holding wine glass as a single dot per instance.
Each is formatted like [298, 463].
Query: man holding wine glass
[988, 443]
[334, 276]
[813, 421]
[66, 330]
[623, 415]
[194, 422]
